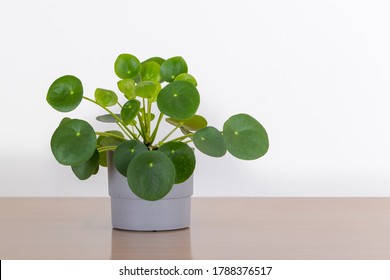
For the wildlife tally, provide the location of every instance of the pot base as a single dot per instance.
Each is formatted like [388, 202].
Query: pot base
[141, 215]
[129, 212]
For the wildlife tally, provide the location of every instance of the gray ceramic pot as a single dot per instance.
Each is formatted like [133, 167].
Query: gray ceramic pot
[129, 212]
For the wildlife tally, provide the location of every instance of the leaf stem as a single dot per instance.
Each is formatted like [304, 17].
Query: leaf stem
[144, 111]
[110, 135]
[125, 130]
[108, 110]
[156, 128]
[169, 134]
[149, 121]
[107, 148]
[183, 137]
[141, 123]
[123, 127]
[136, 127]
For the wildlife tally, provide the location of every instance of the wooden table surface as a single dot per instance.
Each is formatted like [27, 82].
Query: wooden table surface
[221, 228]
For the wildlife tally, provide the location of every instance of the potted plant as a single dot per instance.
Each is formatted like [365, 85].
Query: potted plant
[150, 178]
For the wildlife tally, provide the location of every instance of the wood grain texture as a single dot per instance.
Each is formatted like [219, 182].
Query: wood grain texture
[221, 228]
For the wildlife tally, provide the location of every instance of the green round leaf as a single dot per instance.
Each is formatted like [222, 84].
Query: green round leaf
[195, 123]
[137, 79]
[245, 137]
[105, 97]
[150, 71]
[104, 141]
[133, 122]
[125, 153]
[108, 118]
[127, 66]
[182, 157]
[173, 121]
[185, 131]
[73, 142]
[65, 93]
[151, 175]
[103, 159]
[64, 120]
[173, 67]
[156, 59]
[147, 89]
[210, 141]
[179, 100]
[97, 168]
[130, 110]
[87, 169]
[187, 78]
[127, 87]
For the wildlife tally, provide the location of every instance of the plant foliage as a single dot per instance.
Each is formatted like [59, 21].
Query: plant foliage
[151, 167]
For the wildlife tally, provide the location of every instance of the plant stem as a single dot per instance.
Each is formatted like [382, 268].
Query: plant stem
[188, 141]
[156, 128]
[148, 124]
[136, 127]
[123, 127]
[108, 110]
[125, 130]
[169, 134]
[142, 132]
[106, 148]
[144, 112]
[182, 137]
[109, 135]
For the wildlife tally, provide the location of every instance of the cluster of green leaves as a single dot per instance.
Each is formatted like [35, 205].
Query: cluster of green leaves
[151, 167]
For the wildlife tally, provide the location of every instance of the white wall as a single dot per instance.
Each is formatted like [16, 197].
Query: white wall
[315, 73]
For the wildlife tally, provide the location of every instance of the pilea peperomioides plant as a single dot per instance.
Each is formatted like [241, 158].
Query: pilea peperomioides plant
[151, 167]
